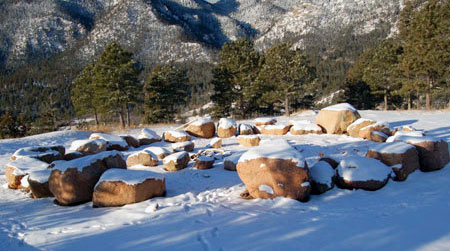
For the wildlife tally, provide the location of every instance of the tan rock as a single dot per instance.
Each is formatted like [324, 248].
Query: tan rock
[187, 146]
[216, 143]
[72, 182]
[204, 162]
[265, 121]
[203, 128]
[176, 161]
[227, 128]
[246, 129]
[131, 141]
[144, 157]
[15, 171]
[88, 146]
[38, 182]
[248, 140]
[113, 142]
[160, 152]
[176, 136]
[275, 129]
[47, 154]
[148, 136]
[366, 132]
[354, 128]
[118, 187]
[336, 118]
[378, 136]
[402, 157]
[301, 129]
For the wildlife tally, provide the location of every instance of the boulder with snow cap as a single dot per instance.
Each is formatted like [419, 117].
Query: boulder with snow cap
[131, 141]
[176, 161]
[173, 136]
[322, 177]
[148, 136]
[377, 136]
[248, 140]
[354, 128]
[160, 152]
[118, 187]
[402, 157]
[215, 143]
[88, 146]
[113, 142]
[366, 132]
[47, 154]
[306, 128]
[230, 163]
[245, 129]
[265, 121]
[273, 170]
[70, 155]
[144, 157]
[72, 182]
[204, 162]
[356, 172]
[336, 118]
[17, 170]
[203, 128]
[227, 128]
[275, 129]
[433, 152]
[38, 182]
[187, 146]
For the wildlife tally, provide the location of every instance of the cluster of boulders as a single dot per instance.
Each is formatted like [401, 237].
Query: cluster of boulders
[95, 169]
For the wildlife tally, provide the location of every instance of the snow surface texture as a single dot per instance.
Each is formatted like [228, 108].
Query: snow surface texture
[201, 122]
[147, 133]
[227, 123]
[340, 107]
[82, 162]
[25, 165]
[78, 143]
[306, 127]
[322, 173]
[357, 168]
[178, 133]
[40, 176]
[27, 152]
[203, 210]
[392, 147]
[129, 177]
[110, 139]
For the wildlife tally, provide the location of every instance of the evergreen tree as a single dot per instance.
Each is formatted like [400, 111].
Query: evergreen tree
[223, 93]
[284, 75]
[357, 93]
[164, 91]
[7, 126]
[83, 95]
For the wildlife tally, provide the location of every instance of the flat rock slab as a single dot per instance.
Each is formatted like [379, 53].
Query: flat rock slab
[148, 136]
[204, 162]
[301, 129]
[248, 140]
[187, 146]
[89, 146]
[275, 129]
[354, 128]
[47, 154]
[176, 136]
[17, 169]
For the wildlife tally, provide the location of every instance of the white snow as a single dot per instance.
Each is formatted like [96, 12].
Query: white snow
[305, 184]
[278, 149]
[24, 181]
[306, 127]
[40, 176]
[79, 143]
[227, 123]
[265, 188]
[265, 120]
[357, 168]
[214, 141]
[299, 122]
[201, 122]
[205, 158]
[174, 157]
[178, 133]
[382, 134]
[129, 177]
[275, 127]
[145, 151]
[252, 136]
[110, 139]
[25, 165]
[382, 124]
[358, 122]
[245, 127]
[31, 153]
[340, 107]
[181, 145]
[410, 133]
[322, 173]
[392, 147]
[157, 150]
[147, 133]
[414, 139]
[82, 162]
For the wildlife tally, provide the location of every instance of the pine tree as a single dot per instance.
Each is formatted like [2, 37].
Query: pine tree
[284, 75]
[357, 93]
[164, 91]
[83, 95]
[223, 93]
[7, 126]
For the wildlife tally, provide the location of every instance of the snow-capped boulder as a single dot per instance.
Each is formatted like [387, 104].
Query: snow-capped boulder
[204, 162]
[131, 141]
[367, 131]
[187, 146]
[356, 172]
[275, 129]
[333, 162]
[265, 121]
[113, 142]
[118, 187]
[433, 152]
[402, 157]
[176, 161]
[88, 146]
[227, 128]
[72, 182]
[18, 169]
[245, 129]
[215, 143]
[38, 182]
[203, 128]
[144, 157]
[274, 170]
[301, 129]
[407, 130]
[70, 155]
[354, 128]
[248, 140]
[148, 136]
[322, 177]
[173, 136]
[160, 152]
[230, 163]
[377, 136]
[47, 154]
[336, 118]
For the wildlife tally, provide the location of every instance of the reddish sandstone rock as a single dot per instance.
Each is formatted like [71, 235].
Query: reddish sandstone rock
[203, 128]
[88, 146]
[248, 140]
[148, 136]
[322, 177]
[301, 129]
[38, 182]
[227, 128]
[176, 136]
[160, 152]
[48, 154]
[204, 162]
[176, 161]
[336, 118]
[187, 146]
[275, 129]
[144, 157]
[354, 128]
[18, 169]
[113, 142]
[216, 143]
[245, 129]
[367, 131]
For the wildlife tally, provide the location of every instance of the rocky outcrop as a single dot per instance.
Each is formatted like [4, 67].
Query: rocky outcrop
[336, 118]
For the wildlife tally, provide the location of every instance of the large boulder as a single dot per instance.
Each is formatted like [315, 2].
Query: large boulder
[204, 162]
[274, 170]
[118, 187]
[336, 118]
[203, 128]
[176, 161]
[248, 140]
[88, 146]
[47, 154]
[433, 152]
[305, 128]
[275, 129]
[322, 177]
[17, 170]
[148, 136]
[356, 172]
[354, 128]
[173, 136]
[245, 129]
[144, 157]
[215, 143]
[38, 182]
[265, 121]
[402, 157]
[131, 141]
[160, 152]
[367, 131]
[113, 142]
[72, 182]
[227, 128]
[187, 146]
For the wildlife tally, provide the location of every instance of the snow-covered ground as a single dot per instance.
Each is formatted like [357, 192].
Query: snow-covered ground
[203, 210]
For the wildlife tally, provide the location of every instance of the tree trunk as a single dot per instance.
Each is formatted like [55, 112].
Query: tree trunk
[409, 101]
[96, 118]
[286, 106]
[121, 118]
[428, 94]
[128, 116]
[385, 100]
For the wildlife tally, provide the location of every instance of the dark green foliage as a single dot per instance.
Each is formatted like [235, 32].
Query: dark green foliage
[357, 93]
[223, 94]
[13, 126]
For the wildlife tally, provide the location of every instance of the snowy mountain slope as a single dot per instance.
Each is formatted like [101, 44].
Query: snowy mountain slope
[203, 211]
